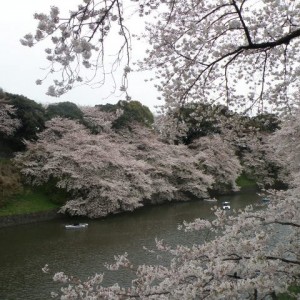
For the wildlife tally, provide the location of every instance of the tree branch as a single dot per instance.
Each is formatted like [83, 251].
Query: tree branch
[285, 40]
[296, 262]
[283, 223]
[247, 33]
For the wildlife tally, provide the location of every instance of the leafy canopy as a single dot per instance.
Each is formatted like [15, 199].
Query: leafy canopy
[64, 110]
[132, 112]
[31, 116]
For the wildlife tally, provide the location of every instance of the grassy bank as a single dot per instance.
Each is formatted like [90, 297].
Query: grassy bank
[29, 202]
[16, 198]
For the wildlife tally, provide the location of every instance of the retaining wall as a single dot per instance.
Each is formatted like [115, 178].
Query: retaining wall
[29, 218]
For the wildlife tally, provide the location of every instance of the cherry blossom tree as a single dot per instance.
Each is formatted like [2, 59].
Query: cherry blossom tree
[224, 130]
[240, 52]
[98, 120]
[286, 142]
[256, 154]
[236, 52]
[113, 172]
[218, 158]
[105, 169]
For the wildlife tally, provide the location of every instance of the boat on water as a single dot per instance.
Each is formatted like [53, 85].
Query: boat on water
[265, 200]
[225, 205]
[76, 225]
[210, 199]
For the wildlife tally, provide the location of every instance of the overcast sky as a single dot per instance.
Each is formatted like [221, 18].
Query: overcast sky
[22, 66]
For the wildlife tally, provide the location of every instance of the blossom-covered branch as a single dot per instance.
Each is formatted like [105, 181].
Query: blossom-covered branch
[80, 40]
[227, 51]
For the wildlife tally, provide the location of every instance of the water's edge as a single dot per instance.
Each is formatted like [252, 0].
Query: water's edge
[13, 220]
[21, 219]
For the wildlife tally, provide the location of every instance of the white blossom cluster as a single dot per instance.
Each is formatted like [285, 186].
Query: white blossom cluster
[98, 120]
[79, 40]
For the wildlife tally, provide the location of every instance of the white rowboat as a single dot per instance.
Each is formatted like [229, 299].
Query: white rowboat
[76, 226]
[226, 205]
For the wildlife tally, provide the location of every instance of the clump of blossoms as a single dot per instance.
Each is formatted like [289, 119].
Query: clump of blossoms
[79, 40]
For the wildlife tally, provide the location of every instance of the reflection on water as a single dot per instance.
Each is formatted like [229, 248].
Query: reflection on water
[25, 249]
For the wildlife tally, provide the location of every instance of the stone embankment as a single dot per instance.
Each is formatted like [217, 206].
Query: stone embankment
[28, 218]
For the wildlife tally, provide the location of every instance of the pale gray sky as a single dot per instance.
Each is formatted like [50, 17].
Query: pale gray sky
[21, 66]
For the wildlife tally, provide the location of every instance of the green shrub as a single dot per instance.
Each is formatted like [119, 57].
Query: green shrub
[133, 112]
[65, 110]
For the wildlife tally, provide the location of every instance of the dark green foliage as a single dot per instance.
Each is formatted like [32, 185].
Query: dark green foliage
[64, 110]
[245, 182]
[294, 289]
[265, 122]
[108, 107]
[32, 116]
[201, 120]
[2, 93]
[52, 192]
[10, 181]
[133, 112]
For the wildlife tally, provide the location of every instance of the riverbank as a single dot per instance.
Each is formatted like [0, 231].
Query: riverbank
[35, 206]
[21, 219]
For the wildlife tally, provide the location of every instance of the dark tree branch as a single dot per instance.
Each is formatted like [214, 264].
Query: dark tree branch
[296, 262]
[285, 40]
[102, 19]
[247, 33]
[236, 257]
[284, 223]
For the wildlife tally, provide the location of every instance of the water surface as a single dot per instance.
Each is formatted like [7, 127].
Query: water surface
[25, 249]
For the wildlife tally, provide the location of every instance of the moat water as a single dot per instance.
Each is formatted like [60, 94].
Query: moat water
[25, 249]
